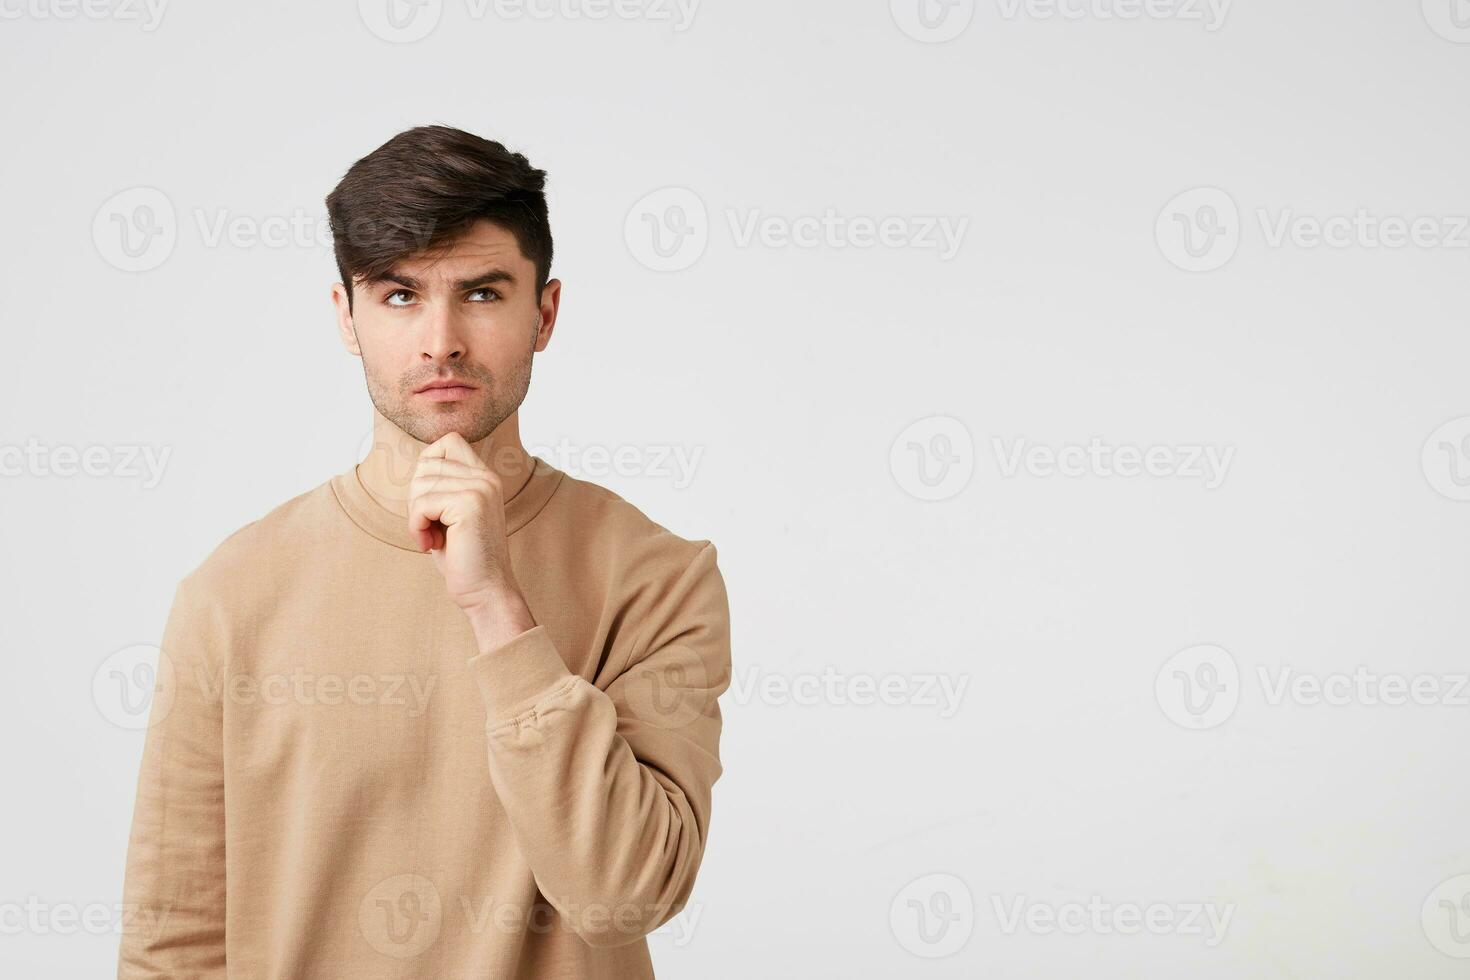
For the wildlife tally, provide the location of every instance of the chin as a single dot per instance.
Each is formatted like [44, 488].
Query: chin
[429, 430]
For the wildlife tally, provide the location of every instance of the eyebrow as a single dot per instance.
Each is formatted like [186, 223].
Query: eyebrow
[487, 278]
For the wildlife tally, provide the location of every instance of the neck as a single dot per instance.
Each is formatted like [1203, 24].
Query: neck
[387, 470]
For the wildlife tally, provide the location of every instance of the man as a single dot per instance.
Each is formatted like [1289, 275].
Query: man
[453, 713]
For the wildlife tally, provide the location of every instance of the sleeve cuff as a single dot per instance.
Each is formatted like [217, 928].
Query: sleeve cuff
[520, 673]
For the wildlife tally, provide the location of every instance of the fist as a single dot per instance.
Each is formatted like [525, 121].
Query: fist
[456, 509]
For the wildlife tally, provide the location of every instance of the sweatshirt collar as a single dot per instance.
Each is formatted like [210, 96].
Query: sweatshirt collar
[366, 512]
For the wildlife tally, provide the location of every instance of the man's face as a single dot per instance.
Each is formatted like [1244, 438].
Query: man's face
[446, 337]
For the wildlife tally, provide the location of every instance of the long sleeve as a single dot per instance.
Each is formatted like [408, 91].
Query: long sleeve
[608, 786]
[174, 891]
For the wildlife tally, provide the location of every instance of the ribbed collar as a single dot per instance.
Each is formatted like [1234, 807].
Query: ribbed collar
[366, 512]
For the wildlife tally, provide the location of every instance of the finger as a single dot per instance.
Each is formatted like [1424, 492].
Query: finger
[443, 464]
[452, 445]
[448, 507]
[423, 510]
[428, 469]
[421, 485]
[467, 480]
[424, 513]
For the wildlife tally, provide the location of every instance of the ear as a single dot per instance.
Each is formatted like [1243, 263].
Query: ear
[550, 306]
[344, 319]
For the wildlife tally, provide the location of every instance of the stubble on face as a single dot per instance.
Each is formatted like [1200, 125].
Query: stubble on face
[474, 418]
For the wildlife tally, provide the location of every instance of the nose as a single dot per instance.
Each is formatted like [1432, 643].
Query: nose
[442, 340]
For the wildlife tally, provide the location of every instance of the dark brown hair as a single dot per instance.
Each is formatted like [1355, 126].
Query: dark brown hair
[425, 187]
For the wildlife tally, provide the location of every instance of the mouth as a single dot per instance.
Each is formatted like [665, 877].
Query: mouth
[445, 391]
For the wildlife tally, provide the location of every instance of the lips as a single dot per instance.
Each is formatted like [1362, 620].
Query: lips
[444, 391]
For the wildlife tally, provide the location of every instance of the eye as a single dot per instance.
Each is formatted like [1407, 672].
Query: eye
[393, 298]
[486, 296]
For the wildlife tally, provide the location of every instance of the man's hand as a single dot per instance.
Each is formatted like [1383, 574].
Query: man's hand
[456, 508]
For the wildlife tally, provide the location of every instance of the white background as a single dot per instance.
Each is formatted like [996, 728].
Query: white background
[814, 383]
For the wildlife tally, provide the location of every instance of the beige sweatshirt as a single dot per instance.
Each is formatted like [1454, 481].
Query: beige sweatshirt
[337, 784]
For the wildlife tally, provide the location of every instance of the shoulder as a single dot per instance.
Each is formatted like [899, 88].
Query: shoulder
[614, 555]
[267, 549]
[658, 586]
[615, 532]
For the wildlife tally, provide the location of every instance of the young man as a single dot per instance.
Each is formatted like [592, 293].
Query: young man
[451, 714]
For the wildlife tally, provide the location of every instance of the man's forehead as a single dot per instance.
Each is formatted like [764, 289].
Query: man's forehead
[467, 253]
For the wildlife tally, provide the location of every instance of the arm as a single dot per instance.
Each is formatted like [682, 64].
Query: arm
[174, 891]
[609, 792]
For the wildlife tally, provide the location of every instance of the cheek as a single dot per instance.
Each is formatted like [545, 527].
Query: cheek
[384, 372]
[506, 360]
[385, 352]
